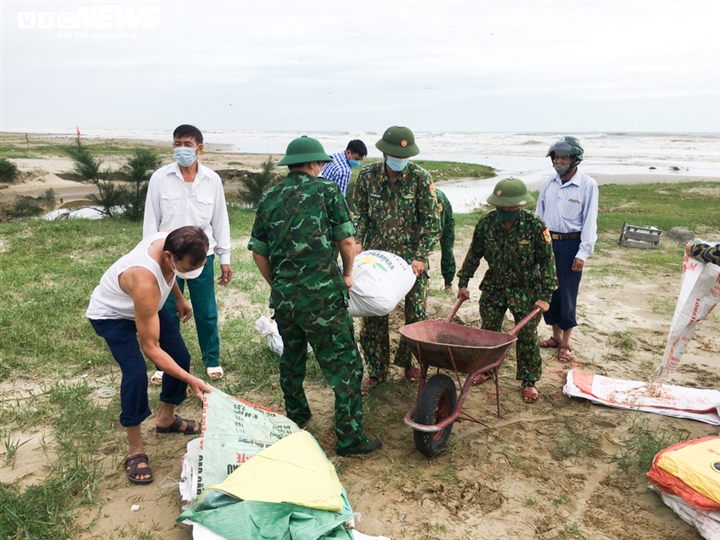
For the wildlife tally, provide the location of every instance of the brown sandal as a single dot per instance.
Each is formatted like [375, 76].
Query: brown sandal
[132, 466]
[176, 426]
[549, 343]
[480, 378]
[564, 355]
[412, 374]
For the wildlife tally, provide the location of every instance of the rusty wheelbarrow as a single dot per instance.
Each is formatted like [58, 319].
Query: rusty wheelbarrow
[444, 345]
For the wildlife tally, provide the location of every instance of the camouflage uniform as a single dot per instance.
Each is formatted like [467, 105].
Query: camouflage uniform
[447, 238]
[521, 270]
[296, 225]
[402, 218]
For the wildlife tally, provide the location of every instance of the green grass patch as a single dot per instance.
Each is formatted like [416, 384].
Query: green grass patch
[451, 170]
[622, 340]
[572, 442]
[691, 204]
[635, 454]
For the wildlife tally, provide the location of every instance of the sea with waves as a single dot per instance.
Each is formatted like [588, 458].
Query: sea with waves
[611, 157]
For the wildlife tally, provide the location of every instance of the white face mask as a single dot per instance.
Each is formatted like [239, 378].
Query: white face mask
[397, 164]
[192, 274]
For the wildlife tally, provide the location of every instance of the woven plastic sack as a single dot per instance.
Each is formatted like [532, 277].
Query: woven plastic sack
[268, 328]
[380, 280]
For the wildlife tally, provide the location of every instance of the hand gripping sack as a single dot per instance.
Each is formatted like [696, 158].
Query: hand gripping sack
[380, 281]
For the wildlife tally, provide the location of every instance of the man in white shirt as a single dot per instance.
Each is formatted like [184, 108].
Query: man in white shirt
[568, 203]
[188, 193]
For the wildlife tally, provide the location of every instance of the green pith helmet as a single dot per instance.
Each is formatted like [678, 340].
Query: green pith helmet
[304, 150]
[398, 141]
[510, 192]
[567, 146]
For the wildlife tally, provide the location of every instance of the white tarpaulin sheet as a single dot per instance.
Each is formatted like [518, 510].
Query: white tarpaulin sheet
[699, 293]
[666, 399]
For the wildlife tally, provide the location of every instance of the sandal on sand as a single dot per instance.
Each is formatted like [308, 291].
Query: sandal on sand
[480, 378]
[530, 394]
[156, 379]
[564, 355]
[549, 343]
[369, 384]
[175, 427]
[132, 466]
[412, 374]
[215, 373]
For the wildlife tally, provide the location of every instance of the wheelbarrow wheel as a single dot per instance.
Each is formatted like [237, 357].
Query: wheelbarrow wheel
[435, 403]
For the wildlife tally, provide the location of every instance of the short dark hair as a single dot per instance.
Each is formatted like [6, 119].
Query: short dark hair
[356, 146]
[186, 130]
[189, 240]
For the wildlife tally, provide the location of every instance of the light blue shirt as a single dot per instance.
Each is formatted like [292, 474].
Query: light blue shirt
[338, 170]
[571, 207]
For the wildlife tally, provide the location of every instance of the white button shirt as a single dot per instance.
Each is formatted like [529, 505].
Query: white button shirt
[170, 204]
[571, 207]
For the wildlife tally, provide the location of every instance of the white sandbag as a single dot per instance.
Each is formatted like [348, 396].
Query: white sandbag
[699, 293]
[268, 327]
[706, 522]
[380, 280]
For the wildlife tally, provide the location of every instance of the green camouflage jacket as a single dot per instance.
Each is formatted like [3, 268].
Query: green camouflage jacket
[402, 218]
[447, 220]
[518, 259]
[297, 224]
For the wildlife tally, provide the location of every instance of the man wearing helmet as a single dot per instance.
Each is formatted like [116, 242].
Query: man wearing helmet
[568, 203]
[521, 274]
[297, 225]
[396, 211]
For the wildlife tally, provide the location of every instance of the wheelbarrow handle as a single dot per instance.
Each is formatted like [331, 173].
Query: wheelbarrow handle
[455, 309]
[524, 321]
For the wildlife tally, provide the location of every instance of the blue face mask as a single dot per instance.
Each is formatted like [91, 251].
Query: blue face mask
[397, 164]
[184, 156]
[354, 163]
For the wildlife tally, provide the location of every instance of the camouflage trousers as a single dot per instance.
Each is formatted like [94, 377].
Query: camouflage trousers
[375, 334]
[493, 306]
[332, 337]
[447, 262]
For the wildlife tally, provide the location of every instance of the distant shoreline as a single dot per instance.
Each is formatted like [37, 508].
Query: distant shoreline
[41, 172]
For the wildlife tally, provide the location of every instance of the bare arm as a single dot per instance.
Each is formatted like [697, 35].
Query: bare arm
[140, 284]
[264, 265]
[346, 246]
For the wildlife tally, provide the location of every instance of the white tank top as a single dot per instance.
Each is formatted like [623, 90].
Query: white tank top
[109, 301]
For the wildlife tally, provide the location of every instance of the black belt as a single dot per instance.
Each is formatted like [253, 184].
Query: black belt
[561, 236]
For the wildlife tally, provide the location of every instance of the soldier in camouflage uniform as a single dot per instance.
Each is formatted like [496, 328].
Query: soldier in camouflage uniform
[521, 273]
[447, 240]
[297, 225]
[396, 211]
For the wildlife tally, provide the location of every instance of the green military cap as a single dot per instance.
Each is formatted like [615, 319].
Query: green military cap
[398, 141]
[510, 192]
[304, 150]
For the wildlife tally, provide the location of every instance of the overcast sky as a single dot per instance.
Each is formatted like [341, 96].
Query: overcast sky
[350, 66]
